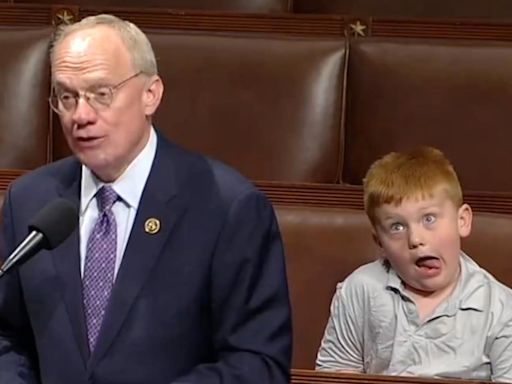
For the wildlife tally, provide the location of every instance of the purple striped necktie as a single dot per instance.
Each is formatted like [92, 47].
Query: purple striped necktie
[100, 259]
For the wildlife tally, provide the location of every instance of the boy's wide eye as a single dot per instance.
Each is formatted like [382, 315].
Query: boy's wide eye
[429, 219]
[396, 227]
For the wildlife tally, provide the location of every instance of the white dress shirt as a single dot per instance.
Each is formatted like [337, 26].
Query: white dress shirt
[129, 187]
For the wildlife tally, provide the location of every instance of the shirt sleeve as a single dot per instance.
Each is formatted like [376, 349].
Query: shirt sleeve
[500, 354]
[342, 345]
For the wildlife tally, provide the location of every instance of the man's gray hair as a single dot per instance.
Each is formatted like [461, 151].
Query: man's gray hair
[137, 43]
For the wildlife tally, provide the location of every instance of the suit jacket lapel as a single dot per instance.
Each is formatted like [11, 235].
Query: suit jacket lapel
[159, 201]
[66, 260]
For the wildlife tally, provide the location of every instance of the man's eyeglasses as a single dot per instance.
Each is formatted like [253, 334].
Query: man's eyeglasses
[98, 98]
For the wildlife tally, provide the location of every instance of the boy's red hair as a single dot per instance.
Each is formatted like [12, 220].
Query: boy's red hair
[400, 175]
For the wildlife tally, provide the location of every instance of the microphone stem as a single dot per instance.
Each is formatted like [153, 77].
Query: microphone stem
[29, 246]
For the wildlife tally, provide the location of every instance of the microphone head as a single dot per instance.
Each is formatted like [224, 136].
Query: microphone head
[56, 221]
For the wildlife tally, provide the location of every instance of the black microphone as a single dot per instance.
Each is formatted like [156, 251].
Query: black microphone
[48, 229]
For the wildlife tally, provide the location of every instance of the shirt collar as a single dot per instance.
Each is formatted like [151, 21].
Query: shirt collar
[394, 281]
[467, 293]
[128, 186]
[471, 294]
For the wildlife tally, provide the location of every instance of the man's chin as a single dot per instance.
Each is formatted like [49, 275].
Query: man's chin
[97, 165]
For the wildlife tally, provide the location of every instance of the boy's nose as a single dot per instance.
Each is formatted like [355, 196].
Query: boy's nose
[415, 238]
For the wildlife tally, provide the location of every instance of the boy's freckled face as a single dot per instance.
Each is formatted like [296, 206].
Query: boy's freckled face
[421, 240]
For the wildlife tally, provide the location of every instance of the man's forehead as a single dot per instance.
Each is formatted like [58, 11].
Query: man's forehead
[84, 39]
[90, 51]
[78, 43]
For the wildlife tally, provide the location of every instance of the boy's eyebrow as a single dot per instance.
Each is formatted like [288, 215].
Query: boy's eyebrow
[430, 206]
[391, 217]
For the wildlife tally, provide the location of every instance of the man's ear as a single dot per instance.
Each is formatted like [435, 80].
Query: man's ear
[464, 220]
[153, 94]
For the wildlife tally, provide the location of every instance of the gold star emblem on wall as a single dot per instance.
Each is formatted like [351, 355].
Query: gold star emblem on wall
[357, 29]
[64, 16]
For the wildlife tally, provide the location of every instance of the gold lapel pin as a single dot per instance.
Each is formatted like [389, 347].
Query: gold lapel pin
[152, 226]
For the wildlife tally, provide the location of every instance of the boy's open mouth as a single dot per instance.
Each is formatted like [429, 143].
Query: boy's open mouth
[428, 262]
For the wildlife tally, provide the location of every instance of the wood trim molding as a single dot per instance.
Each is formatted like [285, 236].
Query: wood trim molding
[25, 14]
[7, 176]
[453, 28]
[330, 195]
[274, 23]
[303, 376]
[314, 25]
[343, 196]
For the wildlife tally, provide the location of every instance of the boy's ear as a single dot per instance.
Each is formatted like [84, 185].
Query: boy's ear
[465, 220]
[379, 244]
[376, 238]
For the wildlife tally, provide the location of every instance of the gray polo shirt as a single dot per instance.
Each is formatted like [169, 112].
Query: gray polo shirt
[374, 328]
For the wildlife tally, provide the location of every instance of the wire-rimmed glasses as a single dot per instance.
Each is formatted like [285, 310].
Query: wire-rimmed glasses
[64, 101]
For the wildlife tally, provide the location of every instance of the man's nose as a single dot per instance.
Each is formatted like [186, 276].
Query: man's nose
[83, 113]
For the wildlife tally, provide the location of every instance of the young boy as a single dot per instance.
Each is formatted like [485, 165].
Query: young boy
[425, 308]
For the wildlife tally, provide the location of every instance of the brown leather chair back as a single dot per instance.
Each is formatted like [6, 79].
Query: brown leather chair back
[24, 108]
[322, 247]
[490, 246]
[452, 94]
[269, 106]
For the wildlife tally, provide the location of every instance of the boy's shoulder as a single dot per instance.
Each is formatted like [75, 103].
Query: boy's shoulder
[366, 292]
[366, 278]
[482, 275]
[483, 289]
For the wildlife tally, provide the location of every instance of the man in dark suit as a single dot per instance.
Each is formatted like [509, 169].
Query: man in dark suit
[176, 271]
